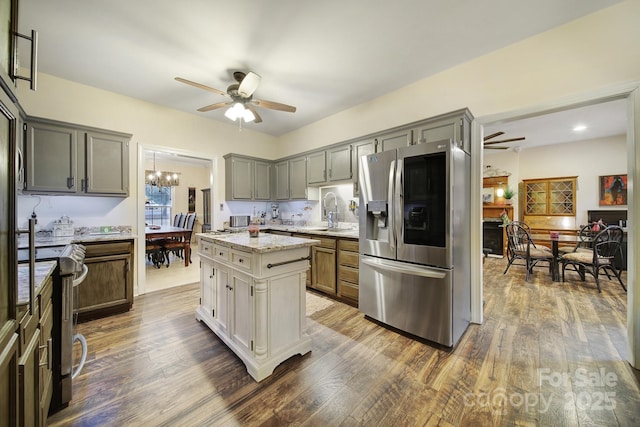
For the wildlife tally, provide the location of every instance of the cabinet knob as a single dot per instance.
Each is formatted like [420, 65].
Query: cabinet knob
[220, 253]
[241, 260]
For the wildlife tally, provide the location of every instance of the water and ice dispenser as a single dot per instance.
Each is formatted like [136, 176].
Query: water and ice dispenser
[377, 224]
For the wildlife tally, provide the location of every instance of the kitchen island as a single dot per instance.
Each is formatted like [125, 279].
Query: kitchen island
[252, 296]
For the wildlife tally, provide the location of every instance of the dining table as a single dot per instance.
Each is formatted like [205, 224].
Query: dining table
[176, 237]
[569, 239]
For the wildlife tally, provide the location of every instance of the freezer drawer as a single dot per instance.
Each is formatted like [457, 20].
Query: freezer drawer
[412, 298]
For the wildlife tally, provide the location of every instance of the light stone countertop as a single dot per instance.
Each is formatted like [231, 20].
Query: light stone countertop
[45, 241]
[262, 244]
[43, 270]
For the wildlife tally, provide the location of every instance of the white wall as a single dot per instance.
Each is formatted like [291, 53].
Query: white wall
[587, 160]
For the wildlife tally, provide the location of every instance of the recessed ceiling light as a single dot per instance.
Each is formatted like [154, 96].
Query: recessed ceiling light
[579, 128]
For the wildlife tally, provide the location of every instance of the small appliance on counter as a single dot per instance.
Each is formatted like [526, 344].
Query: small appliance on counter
[63, 227]
[239, 220]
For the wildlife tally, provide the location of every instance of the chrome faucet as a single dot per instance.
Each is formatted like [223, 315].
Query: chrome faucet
[332, 216]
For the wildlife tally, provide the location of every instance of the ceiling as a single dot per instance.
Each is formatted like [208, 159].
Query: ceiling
[320, 56]
[599, 120]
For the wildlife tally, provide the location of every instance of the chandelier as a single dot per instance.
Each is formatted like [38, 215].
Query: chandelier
[158, 178]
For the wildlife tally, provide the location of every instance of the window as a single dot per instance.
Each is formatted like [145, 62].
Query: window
[157, 203]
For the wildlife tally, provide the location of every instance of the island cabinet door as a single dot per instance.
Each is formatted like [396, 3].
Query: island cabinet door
[207, 286]
[241, 311]
[222, 297]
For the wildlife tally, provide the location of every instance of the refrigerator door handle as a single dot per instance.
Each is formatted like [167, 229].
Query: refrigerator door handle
[390, 209]
[404, 268]
[399, 203]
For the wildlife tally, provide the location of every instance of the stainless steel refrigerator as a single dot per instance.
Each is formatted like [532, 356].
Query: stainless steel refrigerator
[415, 240]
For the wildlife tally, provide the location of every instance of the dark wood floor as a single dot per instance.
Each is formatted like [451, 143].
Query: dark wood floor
[547, 354]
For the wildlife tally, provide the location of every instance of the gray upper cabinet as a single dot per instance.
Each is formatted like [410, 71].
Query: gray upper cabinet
[68, 159]
[317, 168]
[397, 139]
[107, 164]
[359, 149]
[238, 178]
[329, 165]
[247, 178]
[455, 126]
[52, 158]
[281, 180]
[262, 180]
[339, 160]
[298, 178]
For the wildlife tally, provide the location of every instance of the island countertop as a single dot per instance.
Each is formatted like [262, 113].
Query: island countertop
[262, 244]
[43, 270]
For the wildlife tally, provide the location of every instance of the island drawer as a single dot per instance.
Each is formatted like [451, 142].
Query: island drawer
[242, 260]
[206, 249]
[221, 252]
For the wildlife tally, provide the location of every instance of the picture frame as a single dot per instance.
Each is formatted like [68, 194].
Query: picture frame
[613, 190]
[487, 195]
[192, 199]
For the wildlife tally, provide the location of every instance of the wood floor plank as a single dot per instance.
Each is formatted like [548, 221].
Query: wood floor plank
[157, 366]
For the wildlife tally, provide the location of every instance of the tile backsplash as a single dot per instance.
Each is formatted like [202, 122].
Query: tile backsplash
[305, 212]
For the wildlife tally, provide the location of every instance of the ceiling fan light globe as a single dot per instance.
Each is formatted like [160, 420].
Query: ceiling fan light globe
[248, 116]
[231, 113]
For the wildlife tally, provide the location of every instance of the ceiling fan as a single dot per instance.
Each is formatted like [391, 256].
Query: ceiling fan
[489, 144]
[241, 94]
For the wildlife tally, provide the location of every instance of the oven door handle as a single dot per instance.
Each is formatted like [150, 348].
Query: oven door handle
[85, 271]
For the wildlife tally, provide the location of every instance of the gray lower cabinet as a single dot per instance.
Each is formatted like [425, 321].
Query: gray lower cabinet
[247, 178]
[67, 159]
[108, 287]
[298, 178]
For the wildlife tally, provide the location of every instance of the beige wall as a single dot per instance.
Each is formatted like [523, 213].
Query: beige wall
[596, 51]
[588, 161]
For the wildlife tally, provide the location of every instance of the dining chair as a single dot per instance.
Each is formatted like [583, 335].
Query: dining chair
[585, 237]
[178, 250]
[183, 220]
[520, 246]
[600, 259]
[177, 219]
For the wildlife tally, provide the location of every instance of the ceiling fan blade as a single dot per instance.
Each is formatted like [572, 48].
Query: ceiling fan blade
[214, 106]
[493, 135]
[522, 138]
[257, 119]
[249, 84]
[273, 105]
[201, 86]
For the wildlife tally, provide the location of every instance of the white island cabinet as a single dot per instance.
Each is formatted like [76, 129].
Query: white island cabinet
[252, 296]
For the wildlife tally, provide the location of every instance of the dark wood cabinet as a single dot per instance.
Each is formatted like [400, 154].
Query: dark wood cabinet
[108, 287]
